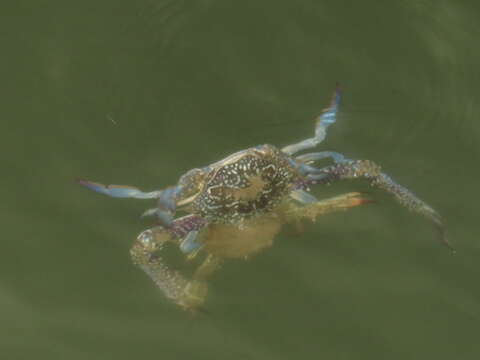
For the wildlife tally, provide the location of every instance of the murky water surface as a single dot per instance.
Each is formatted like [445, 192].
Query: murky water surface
[139, 92]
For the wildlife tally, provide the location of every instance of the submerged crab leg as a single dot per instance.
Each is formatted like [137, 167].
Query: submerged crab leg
[211, 264]
[327, 118]
[190, 243]
[145, 254]
[147, 251]
[366, 169]
[303, 197]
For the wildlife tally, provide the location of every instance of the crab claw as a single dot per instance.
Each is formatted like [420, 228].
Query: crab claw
[119, 191]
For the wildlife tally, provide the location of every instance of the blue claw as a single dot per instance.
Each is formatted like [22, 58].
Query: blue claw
[119, 191]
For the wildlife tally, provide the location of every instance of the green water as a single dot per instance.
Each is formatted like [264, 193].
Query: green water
[139, 92]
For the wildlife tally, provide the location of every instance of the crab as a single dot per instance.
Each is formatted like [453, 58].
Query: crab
[235, 207]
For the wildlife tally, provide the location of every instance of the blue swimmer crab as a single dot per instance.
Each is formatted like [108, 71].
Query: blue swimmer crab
[236, 206]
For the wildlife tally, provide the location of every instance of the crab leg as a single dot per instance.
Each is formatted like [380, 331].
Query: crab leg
[209, 266]
[303, 197]
[310, 157]
[366, 169]
[190, 243]
[119, 191]
[326, 118]
[166, 205]
[145, 254]
[302, 162]
[147, 251]
[166, 198]
[312, 210]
